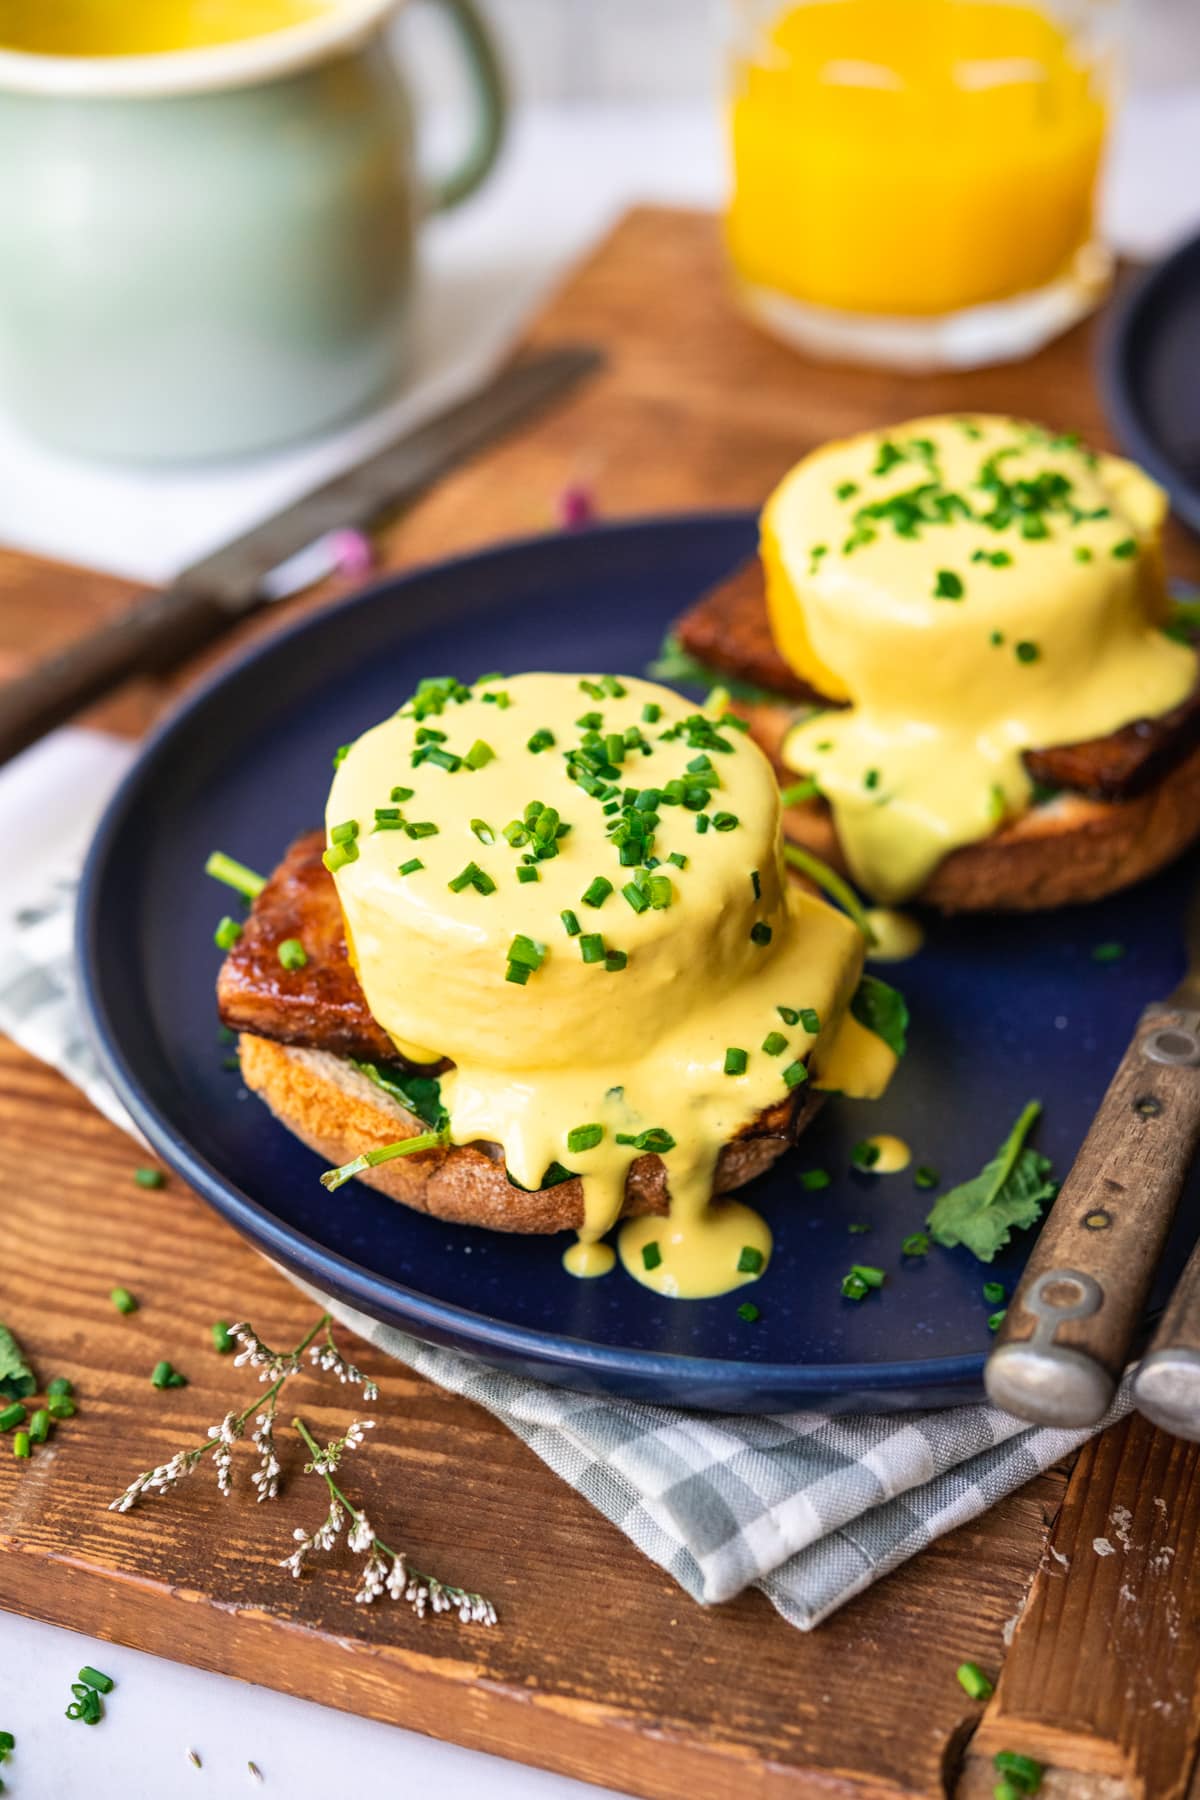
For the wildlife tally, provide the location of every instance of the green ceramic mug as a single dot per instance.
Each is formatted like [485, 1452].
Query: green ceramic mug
[207, 252]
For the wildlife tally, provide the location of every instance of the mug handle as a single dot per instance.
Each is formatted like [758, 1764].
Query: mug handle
[490, 91]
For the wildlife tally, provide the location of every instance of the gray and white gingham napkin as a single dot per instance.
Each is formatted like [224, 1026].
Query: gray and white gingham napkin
[808, 1508]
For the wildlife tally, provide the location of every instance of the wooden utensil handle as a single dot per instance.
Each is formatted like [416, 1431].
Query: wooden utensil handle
[1071, 1321]
[1167, 1385]
[154, 634]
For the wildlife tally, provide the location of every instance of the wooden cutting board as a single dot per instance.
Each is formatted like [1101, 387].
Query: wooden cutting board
[600, 1667]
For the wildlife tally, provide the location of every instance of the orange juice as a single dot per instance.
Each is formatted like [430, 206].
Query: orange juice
[912, 158]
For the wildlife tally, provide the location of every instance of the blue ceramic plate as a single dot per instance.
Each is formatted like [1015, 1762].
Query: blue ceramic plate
[1003, 1011]
[1148, 365]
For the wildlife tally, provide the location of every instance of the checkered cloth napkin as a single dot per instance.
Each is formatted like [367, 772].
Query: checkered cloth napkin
[808, 1508]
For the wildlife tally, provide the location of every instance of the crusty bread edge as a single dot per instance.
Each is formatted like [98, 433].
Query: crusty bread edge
[340, 1113]
[1065, 852]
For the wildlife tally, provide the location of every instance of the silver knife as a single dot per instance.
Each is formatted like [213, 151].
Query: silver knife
[203, 602]
[1070, 1325]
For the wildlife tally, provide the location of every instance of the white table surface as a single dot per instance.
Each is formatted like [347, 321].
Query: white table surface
[567, 173]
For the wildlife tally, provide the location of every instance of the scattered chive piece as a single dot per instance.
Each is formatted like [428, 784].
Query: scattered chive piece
[846, 490]
[810, 1019]
[680, 862]
[60, 1407]
[94, 1678]
[1083, 554]
[227, 933]
[774, 1043]
[584, 1137]
[235, 875]
[1108, 953]
[655, 1140]
[651, 712]
[635, 896]
[1027, 652]
[344, 833]
[525, 952]
[947, 585]
[528, 872]
[996, 1319]
[591, 947]
[789, 1014]
[996, 639]
[760, 933]
[871, 778]
[873, 1277]
[402, 793]
[615, 960]
[916, 1244]
[597, 891]
[422, 828]
[865, 1154]
[7, 1741]
[39, 1426]
[1024, 1773]
[651, 1256]
[854, 1287]
[292, 954]
[164, 1376]
[223, 1341]
[756, 884]
[973, 1681]
[815, 1179]
[479, 755]
[1126, 547]
[411, 866]
[483, 831]
[750, 1261]
[60, 1388]
[993, 1292]
[794, 1074]
[857, 1230]
[123, 1300]
[338, 855]
[541, 740]
[21, 1446]
[925, 1177]
[570, 923]
[725, 821]
[799, 791]
[748, 1311]
[735, 1062]
[149, 1178]
[12, 1415]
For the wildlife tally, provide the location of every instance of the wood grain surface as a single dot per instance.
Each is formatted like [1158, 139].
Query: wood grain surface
[600, 1667]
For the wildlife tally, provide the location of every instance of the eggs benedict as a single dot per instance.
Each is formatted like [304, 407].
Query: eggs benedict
[554, 975]
[975, 693]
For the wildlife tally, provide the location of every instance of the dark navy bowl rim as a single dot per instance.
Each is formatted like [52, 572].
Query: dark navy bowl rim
[1119, 380]
[382, 1299]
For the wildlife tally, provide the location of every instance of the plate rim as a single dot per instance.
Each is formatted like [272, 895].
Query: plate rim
[380, 1297]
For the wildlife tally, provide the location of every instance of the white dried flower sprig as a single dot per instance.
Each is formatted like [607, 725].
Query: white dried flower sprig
[384, 1570]
[329, 1359]
[278, 1367]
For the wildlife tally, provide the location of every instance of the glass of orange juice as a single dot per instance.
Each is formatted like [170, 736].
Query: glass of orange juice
[914, 181]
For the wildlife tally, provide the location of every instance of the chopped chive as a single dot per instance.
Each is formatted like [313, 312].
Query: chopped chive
[873, 1277]
[660, 892]
[996, 639]
[411, 866]
[725, 821]
[542, 739]
[227, 933]
[235, 875]
[93, 1678]
[479, 755]
[1027, 652]
[702, 822]
[615, 961]
[756, 884]
[164, 1376]
[789, 1014]
[871, 778]
[651, 1256]
[223, 1339]
[815, 1179]
[39, 1430]
[570, 923]
[528, 872]
[655, 1140]
[760, 933]
[340, 755]
[857, 1230]
[973, 1681]
[292, 954]
[338, 855]
[774, 1043]
[916, 1244]
[750, 1261]
[865, 1154]
[635, 896]
[1083, 554]
[13, 1415]
[810, 1020]
[584, 1137]
[517, 973]
[591, 947]
[60, 1407]
[925, 1177]
[680, 862]
[597, 891]
[483, 831]
[60, 1388]
[1127, 547]
[854, 1287]
[1024, 1773]
[748, 1311]
[735, 1062]
[524, 951]
[149, 1178]
[651, 712]
[846, 490]
[21, 1446]
[947, 585]
[402, 793]
[1108, 953]
[799, 791]
[994, 1292]
[996, 1319]
[794, 1074]
[344, 833]
[422, 828]
[123, 1300]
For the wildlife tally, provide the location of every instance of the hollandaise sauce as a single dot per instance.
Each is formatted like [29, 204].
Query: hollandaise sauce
[572, 888]
[961, 590]
[143, 27]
